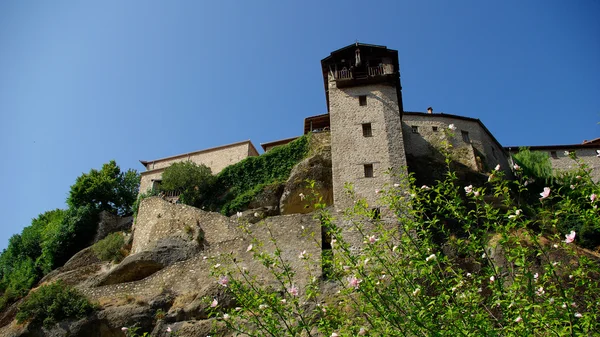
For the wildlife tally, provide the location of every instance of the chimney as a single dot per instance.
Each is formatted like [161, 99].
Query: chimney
[430, 110]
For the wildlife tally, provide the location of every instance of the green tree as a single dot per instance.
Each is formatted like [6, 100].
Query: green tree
[535, 164]
[75, 231]
[194, 182]
[108, 189]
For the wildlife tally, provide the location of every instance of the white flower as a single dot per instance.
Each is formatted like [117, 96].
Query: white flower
[302, 255]
[492, 279]
[362, 331]
[256, 215]
[578, 315]
[469, 274]
[169, 329]
[518, 319]
[416, 291]
[430, 257]
[469, 189]
[425, 187]
[239, 214]
[452, 127]
[226, 316]
[483, 256]
[516, 167]
[263, 306]
[395, 185]
[567, 153]
[214, 303]
[598, 153]
[535, 276]
[333, 334]
[249, 248]
[518, 212]
[497, 168]
[124, 329]
[572, 187]
[476, 193]
[377, 191]
[217, 265]
[302, 196]
[540, 291]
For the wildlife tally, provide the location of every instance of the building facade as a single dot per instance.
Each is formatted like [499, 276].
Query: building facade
[373, 139]
[216, 158]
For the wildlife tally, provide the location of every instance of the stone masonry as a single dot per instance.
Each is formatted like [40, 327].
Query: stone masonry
[351, 150]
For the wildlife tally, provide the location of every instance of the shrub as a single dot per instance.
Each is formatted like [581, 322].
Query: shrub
[53, 303]
[109, 248]
[194, 182]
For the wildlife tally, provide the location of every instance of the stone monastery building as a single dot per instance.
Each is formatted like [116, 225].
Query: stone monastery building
[371, 132]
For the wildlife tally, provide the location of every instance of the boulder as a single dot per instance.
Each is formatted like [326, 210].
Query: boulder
[110, 223]
[138, 266]
[296, 197]
[268, 198]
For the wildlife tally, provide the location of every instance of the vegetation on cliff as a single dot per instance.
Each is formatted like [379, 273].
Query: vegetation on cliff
[444, 260]
[54, 236]
[53, 303]
[233, 188]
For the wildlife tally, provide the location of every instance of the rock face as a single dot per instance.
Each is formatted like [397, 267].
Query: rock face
[167, 278]
[297, 197]
[110, 223]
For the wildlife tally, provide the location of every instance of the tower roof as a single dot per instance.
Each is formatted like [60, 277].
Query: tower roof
[355, 58]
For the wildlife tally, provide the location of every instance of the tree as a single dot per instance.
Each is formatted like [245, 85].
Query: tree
[194, 182]
[535, 164]
[108, 189]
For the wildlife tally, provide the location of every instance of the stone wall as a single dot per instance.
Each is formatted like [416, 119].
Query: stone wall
[351, 150]
[424, 140]
[158, 220]
[217, 159]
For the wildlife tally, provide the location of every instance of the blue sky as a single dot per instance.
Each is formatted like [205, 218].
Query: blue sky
[82, 83]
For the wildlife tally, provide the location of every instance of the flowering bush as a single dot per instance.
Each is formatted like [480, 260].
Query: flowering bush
[445, 260]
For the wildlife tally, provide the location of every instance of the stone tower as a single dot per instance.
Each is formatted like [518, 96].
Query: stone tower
[364, 101]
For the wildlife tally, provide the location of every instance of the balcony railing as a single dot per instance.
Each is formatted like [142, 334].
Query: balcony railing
[171, 196]
[349, 74]
[344, 74]
[377, 71]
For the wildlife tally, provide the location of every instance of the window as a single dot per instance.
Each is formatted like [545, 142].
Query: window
[494, 153]
[367, 131]
[553, 154]
[434, 128]
[362, 100]
[415, 129]
[368, 170]
[465, 136]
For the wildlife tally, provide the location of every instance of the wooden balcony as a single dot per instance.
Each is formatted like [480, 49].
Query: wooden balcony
[365, 75]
